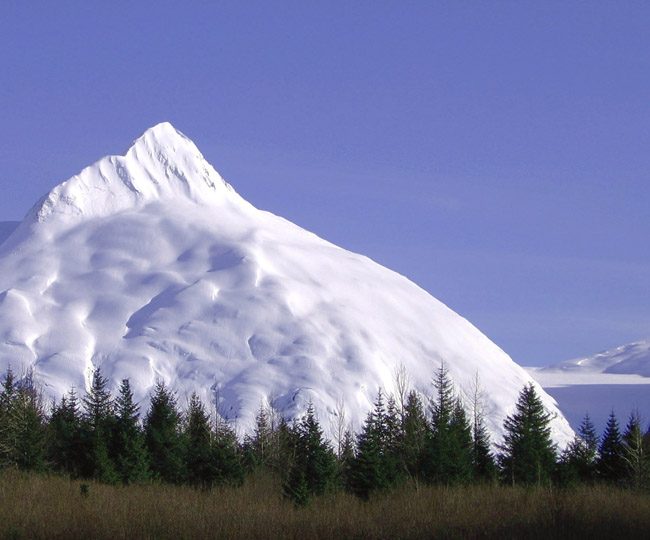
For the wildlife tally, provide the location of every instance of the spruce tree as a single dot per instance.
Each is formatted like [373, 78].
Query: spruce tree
[414, 437]
[578, 461]
[314, 465]
[448, 453]
[26, 427]
[483, 462]
[6, 401]
[346, 461]
[98, 422]
[528, 451]
[369, 472]
[200, 467]
[634, 452]
[162, 428]
[227, 456]
[65, 444]
[128, 446]
[610, 465]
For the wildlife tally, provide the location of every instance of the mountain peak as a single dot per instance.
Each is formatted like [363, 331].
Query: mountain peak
[162, 164]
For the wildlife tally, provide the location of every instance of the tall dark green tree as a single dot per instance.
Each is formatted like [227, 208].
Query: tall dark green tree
[162, 429]
[65, 444]
[369, 469]
[313, 469]
[25, 435]
[610, 465]
[635, 454]
[578, 461]
[414, 437]
[227, 456]
[128, 447]
[201, 469]
[98, 421]
[6, 400]
[448, 453]
[528, 452]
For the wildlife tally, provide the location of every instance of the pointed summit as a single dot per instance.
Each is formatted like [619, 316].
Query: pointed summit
[162, 164]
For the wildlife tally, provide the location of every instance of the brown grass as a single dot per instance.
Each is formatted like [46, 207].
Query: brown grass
[37, 506]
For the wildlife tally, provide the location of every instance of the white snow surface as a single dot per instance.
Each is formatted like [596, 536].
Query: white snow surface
[151, 266]
[630, 361]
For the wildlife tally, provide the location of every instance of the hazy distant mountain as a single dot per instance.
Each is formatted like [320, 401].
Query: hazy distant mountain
[151, 266]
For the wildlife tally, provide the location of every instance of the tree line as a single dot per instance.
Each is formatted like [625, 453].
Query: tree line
[408, 439]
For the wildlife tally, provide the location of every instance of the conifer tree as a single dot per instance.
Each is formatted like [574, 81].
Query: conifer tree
[528, 451]
[162, 428]
[634, 452]
[414, 438]
[65, 444]
[578, 461]
[346, 461]
[227, 456]
[128, 448]
[98, 421]
[448, 453]
[610, 465]
[314, 466]
[26, 426]
[369, 472]
[6, 400]
[484, 465]
[200, 467]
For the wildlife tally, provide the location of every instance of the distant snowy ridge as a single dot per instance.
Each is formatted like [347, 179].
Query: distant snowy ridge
[151, 266]
[629, 359]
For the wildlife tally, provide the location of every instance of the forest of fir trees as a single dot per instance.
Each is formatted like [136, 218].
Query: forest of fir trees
[405, 439]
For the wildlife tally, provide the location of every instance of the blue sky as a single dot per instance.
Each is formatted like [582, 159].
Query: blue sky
[496, 153]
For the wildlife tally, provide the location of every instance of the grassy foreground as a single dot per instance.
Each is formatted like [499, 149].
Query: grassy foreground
[38, 506]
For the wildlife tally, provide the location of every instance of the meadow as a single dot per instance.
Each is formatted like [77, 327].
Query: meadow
[52, 506]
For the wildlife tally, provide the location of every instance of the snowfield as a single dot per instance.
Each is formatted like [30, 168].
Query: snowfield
[617, 379]
[151, 266]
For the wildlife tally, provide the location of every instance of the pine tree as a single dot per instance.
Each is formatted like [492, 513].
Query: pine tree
[163, 436]
[65, 444]
[414, 438]
[199, 463]
[98, 421]
[369, 472]
[578, 461]
[634, 452]
[6, 401]
[346, 461]
[227, 456]
[128, 446]
[484, 465]
[610, 465]
[314, 465]
[528, 451]
[26, 427]
[448, 453]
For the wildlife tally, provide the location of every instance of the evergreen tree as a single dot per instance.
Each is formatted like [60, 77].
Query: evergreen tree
[634, 452]
[26, 427]
[98, 422]
[448, 453]
[66, 451]
[200, 467]
[346, 461]
[163, 436]
[128, 446]
[483, 462]
[314, 465]
[414, 438]
[227, 456]
[528, 452]
[369, 472]
[6, 401]
[578, 461]
[610, 465]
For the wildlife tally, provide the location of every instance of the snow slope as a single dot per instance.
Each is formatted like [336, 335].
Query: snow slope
[151, 266]
[617, 379]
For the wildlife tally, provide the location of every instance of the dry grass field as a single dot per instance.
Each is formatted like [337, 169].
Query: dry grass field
[39, 506]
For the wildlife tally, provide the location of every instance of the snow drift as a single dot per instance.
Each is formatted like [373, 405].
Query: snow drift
[151, 266]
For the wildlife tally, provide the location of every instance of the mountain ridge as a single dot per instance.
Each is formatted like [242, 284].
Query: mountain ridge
[189, 283]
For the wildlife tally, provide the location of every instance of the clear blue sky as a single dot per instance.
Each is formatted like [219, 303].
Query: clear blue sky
[497, 153]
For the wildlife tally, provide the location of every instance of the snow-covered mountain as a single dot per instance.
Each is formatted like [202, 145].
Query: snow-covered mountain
[630, 359]
[151, 266]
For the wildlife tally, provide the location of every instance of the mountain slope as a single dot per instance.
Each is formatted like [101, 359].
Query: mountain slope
[152, 266]
[629, 359]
